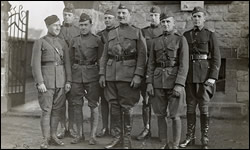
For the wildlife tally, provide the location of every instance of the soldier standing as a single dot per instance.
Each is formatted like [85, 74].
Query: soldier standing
[121, 69]
[50, 59]
[149, 32]
[85, 51]
[204, 67]
[109, 20]
[167, 72]
[68, 31]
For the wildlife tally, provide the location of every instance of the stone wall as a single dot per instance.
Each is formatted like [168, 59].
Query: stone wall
[5, 104]
[229, 20]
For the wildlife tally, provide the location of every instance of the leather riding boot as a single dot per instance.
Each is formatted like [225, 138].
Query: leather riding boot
[78, 120]
[94, 124]
[127, 126]
[162, 129]
[117, 131]
[146, 113]
[55, 118]
[204, 120]
[190, 138]
[176, 126]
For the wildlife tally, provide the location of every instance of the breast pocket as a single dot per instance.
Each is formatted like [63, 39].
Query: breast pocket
[159, 49]
[172, 50]
[129, 43]
[203, 46]
[47, 53]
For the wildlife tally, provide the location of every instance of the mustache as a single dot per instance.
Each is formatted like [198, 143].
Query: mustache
[121, 17]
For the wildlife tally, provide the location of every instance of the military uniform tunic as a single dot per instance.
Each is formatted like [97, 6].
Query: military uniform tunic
[85, 52]
[201, 42]
[68, 32]
[51, 66]
[124, 56]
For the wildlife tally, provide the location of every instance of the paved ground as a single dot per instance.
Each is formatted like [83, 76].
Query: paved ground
[20, 132]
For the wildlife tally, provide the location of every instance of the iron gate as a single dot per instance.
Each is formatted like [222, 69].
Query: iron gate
[17, 45]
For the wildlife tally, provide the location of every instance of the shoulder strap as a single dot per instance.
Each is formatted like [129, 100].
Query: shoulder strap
[57, 51]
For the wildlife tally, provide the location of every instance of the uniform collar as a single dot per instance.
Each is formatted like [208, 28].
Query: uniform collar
[154, 26]
[85, 35]
[198, 28]
[67, 24]
[169, 33]
[112, 27]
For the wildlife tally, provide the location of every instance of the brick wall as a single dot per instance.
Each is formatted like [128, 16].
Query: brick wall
[230, 21]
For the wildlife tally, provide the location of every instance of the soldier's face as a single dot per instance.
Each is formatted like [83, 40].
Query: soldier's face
[154, 18]
[198, 19]
[54, 28]
[109, 20]
[68, 17]
[85, 26]
[168, 24]
[123, 15]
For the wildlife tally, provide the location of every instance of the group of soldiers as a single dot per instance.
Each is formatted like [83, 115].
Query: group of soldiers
[167, 68]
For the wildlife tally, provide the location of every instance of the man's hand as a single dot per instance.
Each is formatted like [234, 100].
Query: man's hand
[102, 81]
[136, 81]
[210, 82]
[67, 87]
[150, 89]
[41, 88]
[178, 88]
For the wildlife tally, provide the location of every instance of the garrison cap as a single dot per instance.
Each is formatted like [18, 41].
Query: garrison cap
[166, 15]
[84, 17]
[198, 9]
[155, 9]
[69, 8]
[51, 19]
[124, 6]
[109, 12]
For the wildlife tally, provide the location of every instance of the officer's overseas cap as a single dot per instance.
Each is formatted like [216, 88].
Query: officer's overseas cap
[51, 19]
[109, 12]
[84, 17]
[69, 8]
[198, 9]
[155, 9]
[124, 6]
[166, 15]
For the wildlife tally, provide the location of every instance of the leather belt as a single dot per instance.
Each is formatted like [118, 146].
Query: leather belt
[166, 64]
[122, 57]
[84, 62]
[198, 56]
[51, 63]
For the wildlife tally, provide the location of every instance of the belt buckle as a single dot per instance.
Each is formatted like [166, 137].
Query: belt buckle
[56, 63]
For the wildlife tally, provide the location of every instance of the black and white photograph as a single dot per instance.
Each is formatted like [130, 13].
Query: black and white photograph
[124, 74]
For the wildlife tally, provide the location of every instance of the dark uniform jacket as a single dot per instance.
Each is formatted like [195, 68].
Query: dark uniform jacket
[168, 61]
[124, 41]
[85, 52]
[149, 33]
[69, 31]
[203, 42]
[104, 35]
[48, 66]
